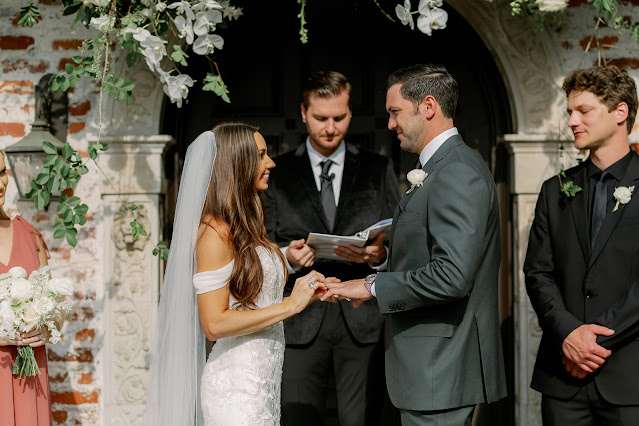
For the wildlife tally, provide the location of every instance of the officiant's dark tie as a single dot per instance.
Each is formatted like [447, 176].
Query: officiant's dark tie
[599, 204]
[327, 194]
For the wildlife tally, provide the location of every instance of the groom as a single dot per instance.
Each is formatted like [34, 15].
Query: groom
[443, 346]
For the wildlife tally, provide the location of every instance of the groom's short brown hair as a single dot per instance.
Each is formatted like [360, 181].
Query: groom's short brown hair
[610, 84]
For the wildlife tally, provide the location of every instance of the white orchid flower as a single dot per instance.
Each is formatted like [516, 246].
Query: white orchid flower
[403, 14]
[183, 8]
[177, 88]
[185, 28]
[206, 21]
[147, 3]
[103, 23]
[207, 4]
[552, 5]
[161, 6]
[427, 5]
[435, 19]
[152, 47]
[205, 45]
[232, 12]
[100, 3]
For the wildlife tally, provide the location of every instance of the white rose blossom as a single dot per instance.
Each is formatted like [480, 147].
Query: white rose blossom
[60, 286]
[416, 178]
[552, 5]
[206, 44]
[403, 14]
[17, 272]
[103, 23]
[30, 317]
[21, 289]
[206, 21]
[7, 318]
[55, 336]
[44, 306]
[185, 28]
[622, 194]
[435, 19]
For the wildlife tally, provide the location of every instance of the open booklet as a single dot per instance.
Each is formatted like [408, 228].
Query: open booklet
[324, 244]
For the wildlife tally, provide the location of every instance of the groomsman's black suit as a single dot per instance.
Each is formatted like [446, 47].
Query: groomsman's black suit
[368, 194]
[571, 284]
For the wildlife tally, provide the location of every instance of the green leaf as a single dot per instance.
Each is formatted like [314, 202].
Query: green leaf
[214, 83]
[570, 189]
[131, 57]
[92, 153]
[72, 240]
[64, 86]
[179, 55]
[81, 209]
[67, 216]
[39, 201]
[82, 220]
[67, 151]
[73, 201]
[62, 207]
[59, 233]
[128, 86]
[49, 148]
[83, 170]
[42, 178]
[50, 160]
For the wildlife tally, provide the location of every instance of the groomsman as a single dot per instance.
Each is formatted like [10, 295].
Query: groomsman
[329, 186]
[443, 342]
[582, 265]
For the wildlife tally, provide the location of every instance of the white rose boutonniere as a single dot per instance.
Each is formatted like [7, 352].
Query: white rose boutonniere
[623, 194]
[416, 178]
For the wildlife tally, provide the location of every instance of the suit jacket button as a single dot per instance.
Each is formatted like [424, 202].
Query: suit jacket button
[588, 295]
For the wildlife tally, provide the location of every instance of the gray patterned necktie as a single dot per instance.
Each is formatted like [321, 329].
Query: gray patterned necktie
[326, 193]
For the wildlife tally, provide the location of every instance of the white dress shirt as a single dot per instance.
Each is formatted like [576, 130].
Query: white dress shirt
[427, 153]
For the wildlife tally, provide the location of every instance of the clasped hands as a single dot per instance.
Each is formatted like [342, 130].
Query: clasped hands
[582, 354]
[299, 253]
[34, 338]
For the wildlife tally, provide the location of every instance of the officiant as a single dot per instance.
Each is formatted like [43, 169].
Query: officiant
[329, 186]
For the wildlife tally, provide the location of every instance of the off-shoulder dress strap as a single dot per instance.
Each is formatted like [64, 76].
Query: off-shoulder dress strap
[213, 280]
[36, 234]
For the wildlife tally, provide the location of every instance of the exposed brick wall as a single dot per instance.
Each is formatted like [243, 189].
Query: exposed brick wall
[76, 378]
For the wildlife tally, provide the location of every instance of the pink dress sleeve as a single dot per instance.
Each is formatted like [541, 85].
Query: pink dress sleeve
[36, 234]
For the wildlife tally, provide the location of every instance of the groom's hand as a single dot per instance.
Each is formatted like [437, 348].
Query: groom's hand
[372, 253]
[572, 368]
[300, 254]
[581, 348]
[353, 289]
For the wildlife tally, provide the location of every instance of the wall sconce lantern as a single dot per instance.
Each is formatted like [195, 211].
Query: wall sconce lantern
[26, 157]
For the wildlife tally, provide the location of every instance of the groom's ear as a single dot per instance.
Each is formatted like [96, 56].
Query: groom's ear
[428, 107]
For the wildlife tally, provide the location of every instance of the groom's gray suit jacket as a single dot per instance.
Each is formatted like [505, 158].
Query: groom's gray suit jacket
[443, 343]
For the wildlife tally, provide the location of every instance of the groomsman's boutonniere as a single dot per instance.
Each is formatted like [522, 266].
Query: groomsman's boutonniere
[623, 194]
[416, 178]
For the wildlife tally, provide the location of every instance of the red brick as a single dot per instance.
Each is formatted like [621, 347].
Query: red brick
[566, 45]
[80, 109]
[74, 398]
[12, 129]
[51, 2]
[59, 378]
[22, 64]
[59, 416]
[42, 217]
[67, 44]
[625, 63]
[17, 87]
[87, 333]
[75, 127]
[15, 42]
[85, 379]
[84, 355]
[606, 42]
[63, 63]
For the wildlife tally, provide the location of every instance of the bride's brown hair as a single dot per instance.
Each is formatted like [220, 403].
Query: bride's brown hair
[233, 199]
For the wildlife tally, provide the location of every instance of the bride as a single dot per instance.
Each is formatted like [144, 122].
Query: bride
[224, 280]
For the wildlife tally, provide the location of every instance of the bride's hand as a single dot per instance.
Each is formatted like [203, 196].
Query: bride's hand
[307, 290]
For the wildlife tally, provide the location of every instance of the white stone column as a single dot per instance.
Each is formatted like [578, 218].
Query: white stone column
[533, 159]
[134, 167]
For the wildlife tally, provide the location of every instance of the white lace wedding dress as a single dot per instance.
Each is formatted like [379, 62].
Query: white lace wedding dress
[242, 378]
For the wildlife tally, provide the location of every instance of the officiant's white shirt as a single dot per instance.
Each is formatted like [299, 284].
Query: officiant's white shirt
[427, 153]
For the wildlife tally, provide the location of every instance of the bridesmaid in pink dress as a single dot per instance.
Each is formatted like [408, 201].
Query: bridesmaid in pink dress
[26, 401]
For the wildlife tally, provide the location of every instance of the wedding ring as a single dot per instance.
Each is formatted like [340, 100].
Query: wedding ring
[310, 284]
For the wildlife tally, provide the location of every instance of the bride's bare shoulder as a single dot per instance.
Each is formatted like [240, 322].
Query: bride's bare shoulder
[214, 249]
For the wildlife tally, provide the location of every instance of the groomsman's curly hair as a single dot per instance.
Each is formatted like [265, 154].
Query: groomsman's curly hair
[233, 199]
[325, 84]
[610, 84]
[419, 81]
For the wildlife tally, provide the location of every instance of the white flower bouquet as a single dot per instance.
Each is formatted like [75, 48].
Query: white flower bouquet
[30, 303]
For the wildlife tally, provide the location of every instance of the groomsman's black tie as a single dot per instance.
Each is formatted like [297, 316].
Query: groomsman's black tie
[327, 194]
[598, 206]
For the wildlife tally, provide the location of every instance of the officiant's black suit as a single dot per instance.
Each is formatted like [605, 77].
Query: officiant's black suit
[571, 284]
[368, 193]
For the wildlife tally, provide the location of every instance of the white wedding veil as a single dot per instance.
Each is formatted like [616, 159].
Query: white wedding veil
[178, 355]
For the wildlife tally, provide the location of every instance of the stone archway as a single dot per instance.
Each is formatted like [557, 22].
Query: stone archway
[531, 72]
